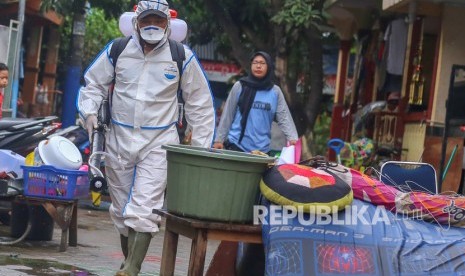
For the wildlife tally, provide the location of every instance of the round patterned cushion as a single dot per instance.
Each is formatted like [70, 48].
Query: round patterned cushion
[305, 187]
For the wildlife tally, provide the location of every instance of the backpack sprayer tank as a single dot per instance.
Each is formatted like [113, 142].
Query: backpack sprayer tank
[97, 179]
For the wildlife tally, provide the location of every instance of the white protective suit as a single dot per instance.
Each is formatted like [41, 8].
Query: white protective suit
[144, 113]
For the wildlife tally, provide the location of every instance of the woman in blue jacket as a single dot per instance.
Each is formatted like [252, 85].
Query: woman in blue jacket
[254, 102]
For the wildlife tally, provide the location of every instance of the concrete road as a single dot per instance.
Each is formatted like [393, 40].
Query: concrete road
[98, 251]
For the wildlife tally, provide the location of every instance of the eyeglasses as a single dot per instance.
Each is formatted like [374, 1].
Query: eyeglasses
[259, 63]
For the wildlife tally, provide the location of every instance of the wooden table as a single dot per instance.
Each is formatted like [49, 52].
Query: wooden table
[63, 212]
[200, 232]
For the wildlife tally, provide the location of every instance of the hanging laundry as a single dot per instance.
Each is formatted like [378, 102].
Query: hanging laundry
[396, 43]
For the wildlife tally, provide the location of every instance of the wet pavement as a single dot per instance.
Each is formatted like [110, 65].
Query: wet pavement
[98, 251]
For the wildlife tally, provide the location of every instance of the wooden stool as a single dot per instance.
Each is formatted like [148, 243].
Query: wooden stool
[200, 232]
[63, 212]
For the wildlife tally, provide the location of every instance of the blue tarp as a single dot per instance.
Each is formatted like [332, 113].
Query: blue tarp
[400, 247]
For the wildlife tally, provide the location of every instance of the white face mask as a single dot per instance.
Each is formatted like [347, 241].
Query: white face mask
[152, 34]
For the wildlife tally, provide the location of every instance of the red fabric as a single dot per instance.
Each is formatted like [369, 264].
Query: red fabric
[298, 150]
[1, 103]
[381, 51]
[305, 171]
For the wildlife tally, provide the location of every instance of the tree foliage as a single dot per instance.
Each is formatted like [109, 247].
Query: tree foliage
[287, 29]
[298, 14]
[59, 6]
[101, 27]
[112, 8]
[99, 31]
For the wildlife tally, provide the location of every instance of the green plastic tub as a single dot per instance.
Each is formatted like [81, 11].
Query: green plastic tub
[213, 184]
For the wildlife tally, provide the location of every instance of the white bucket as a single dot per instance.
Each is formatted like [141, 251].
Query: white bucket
[61, 153]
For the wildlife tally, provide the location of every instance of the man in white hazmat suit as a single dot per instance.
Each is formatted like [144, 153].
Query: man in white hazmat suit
[143, 117]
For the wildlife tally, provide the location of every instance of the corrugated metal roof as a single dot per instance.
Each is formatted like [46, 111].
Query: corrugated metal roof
[207, 51]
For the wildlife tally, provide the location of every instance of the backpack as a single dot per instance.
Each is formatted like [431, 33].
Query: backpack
[177, 54]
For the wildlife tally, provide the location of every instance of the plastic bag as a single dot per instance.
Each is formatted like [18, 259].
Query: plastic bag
[287, 155]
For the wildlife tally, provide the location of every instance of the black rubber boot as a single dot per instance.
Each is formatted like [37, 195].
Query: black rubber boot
[250, 260]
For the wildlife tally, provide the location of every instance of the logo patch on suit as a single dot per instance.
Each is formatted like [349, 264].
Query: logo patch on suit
[170, 72]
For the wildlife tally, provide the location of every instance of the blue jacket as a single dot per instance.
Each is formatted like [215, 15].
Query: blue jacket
[268, 106]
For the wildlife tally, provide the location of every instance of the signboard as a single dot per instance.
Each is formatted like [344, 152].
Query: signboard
[390, 3]
[329, 87]
[220, 72]
[79, 28]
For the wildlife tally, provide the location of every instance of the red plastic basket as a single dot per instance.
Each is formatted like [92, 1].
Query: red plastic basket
[53, 183]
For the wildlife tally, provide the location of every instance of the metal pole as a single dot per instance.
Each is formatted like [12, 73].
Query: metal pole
[15, 87]
[73, 76]
[452, 155]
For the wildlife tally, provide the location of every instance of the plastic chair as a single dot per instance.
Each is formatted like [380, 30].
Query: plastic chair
[417, 176]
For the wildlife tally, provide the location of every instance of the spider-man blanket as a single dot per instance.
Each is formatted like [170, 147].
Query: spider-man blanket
[351, 246]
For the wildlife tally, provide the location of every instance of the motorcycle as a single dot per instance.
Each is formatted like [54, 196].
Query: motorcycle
[22, 135]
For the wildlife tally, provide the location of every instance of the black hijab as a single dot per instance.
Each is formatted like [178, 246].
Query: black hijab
[250, 85]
